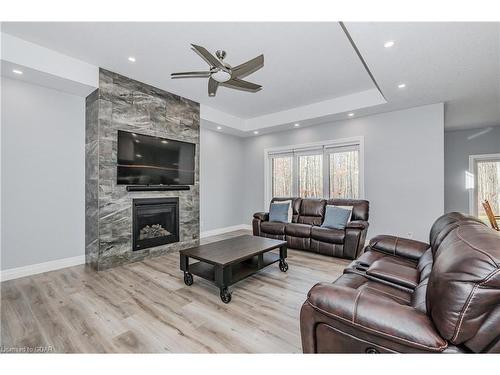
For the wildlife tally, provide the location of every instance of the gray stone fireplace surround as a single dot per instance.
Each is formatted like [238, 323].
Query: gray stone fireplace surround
[121, 103]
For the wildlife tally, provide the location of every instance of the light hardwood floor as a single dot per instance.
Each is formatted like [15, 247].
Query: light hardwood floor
[145, 307]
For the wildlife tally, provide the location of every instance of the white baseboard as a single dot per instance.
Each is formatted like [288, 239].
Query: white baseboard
[33, 269]
[215, 232]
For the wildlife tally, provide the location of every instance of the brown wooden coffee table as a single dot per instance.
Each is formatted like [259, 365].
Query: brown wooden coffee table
[229, 261]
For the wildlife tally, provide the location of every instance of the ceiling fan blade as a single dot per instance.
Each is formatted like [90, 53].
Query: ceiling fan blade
[212, 86]
[248, 67]
[208, 57]
[240, 84]
[190, 75]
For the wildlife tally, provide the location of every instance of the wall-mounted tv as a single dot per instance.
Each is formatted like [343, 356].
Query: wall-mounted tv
[148, 160]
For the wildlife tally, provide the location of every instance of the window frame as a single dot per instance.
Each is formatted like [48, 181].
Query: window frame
[323, 147]
[473, 159]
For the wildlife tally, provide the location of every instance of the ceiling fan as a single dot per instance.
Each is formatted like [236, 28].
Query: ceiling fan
[221, 73]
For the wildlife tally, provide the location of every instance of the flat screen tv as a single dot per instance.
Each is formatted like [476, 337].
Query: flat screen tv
[148, 160]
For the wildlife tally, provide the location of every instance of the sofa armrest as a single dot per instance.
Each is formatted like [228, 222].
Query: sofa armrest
[264, 216]
[358, 224]
[398, 246]
[371, 315]
[355, 236]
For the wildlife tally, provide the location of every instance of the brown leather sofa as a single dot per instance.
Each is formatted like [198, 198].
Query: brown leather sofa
[407, 296]
[305, 231]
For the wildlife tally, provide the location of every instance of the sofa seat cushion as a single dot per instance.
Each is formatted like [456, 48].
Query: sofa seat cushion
[298, 230]
[390, 270]
[272, 227]
[328, 235]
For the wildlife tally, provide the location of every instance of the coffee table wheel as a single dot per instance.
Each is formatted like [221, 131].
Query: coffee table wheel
[283, 265]
[225, 295]
[188, 278]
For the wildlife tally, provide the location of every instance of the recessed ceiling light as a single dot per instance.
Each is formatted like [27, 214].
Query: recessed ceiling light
[164, 141]
[296, 125]
[350, 114]
[255, 132]
[389, 44]
[138, 155]
[219, 127]
[17, 71]
[137, 141]
[131, 59]
[401, 85]
[134, 135]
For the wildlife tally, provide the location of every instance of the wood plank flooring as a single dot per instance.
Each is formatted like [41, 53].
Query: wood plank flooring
[145, 307]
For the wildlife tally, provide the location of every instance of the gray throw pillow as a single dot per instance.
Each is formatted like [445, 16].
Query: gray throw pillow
[279, 212]
[336, 217]
[290, 211]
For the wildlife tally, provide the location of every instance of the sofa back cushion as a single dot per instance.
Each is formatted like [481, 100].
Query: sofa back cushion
[463, 291]
[360, 207]
[445, 224]
[312, 211]
[295, 206]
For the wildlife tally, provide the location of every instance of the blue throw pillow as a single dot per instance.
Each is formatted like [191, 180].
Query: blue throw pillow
[279, 212]
[336, 217]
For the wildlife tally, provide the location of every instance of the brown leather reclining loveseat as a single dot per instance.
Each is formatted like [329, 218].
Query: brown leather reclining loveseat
[412, 297]
[305, 231]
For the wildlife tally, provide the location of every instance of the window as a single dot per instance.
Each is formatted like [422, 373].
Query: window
[311, 176]
[282, 176]
[344, 174]
[327, 170]
[486, 173]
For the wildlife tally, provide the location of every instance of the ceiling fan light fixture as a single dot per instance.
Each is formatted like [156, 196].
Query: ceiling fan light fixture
[221, 76]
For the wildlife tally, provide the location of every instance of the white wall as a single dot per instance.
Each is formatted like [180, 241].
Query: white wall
[43, 169]
[404, 166]
[458, 146]
[221, 180]
[43, 174]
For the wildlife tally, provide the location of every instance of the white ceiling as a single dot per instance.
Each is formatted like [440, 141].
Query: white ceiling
[305, 63]
[453, 62]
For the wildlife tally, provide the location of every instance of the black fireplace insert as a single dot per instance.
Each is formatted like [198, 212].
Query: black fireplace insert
[155, 222]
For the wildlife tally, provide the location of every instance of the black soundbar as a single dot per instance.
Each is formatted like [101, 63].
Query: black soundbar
[157, 187]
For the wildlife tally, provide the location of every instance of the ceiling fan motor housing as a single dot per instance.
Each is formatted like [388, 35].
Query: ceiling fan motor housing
[220, 54]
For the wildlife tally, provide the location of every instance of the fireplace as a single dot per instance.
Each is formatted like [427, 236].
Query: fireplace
[155, 222]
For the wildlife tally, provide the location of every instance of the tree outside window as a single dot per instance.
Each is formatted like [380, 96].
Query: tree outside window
[311, 176]
[282, 177]
[488, 186]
